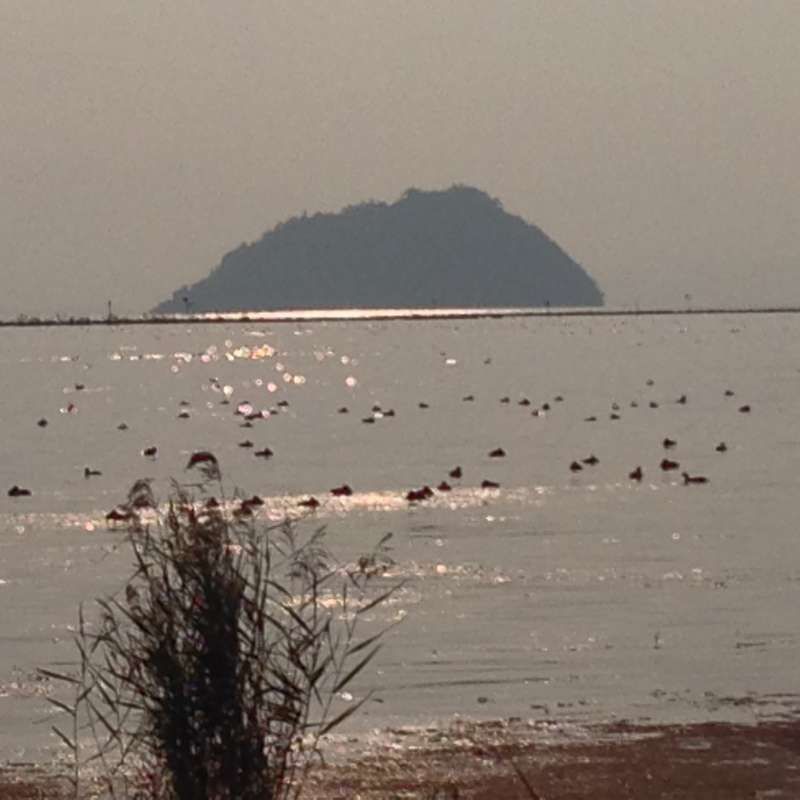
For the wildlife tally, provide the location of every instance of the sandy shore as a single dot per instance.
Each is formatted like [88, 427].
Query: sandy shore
[515, 760]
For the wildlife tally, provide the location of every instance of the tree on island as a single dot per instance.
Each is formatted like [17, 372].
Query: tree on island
[455, 248]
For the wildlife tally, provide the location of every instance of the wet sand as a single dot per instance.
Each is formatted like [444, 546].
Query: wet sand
[545, 761]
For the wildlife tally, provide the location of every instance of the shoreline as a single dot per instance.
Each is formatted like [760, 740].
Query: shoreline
[383, 315]
[519, 760]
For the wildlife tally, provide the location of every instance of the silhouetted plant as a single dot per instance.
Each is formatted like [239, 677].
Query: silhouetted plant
[215, 671]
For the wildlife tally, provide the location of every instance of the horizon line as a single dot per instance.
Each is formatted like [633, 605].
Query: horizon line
[384, 314]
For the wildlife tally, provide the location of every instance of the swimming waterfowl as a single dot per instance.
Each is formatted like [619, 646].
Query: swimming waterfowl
[591, 460]
[721, 447]
[545, 406]
[246, 443]
[487, 484]
[498, 452]
[342, 491]
[18, 491]
[343, 410]
[150, 452]
[575, 466]
[444, 486]
[368, 420]
[687, 478]
[88, 472]
[728, 393]
[283, 403]
[524, 402]
[265, 453]
[636, 475]
[468, 398]
[614, 416]
[668, 443]
[42, 423]
[744, 409]
[455, 472]
[558, 399]
[681, 400]
[653, 404]
[505, 399]
[417, 495]
[423, 405]
[667, 465]
[122, 426]
[201, 457]
[183, 414]
[120, 514]
[310, 502]
[590, 419]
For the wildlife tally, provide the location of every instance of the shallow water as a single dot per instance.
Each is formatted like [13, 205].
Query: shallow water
[581, 595]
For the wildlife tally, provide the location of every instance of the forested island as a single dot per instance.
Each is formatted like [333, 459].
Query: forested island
[456, 248]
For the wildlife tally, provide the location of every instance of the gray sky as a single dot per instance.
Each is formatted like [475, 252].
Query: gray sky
[655, 140]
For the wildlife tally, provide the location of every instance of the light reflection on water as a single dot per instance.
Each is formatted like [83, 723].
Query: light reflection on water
[584, 588]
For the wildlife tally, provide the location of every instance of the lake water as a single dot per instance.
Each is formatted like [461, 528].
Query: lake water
[570, 595]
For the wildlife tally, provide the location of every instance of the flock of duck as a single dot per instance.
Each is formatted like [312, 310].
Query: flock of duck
[249, 415]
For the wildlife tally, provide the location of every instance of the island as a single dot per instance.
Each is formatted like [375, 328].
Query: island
[452, 248]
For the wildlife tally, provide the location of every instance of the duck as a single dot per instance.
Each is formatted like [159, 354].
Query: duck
[265, 453]
[18, 491]
[498, 452]
[417, 495]
[721, 447]
[343, 410]
[524, 402]
[444, 486]
[423, 405]
[744, 409]
[505, 399]
[636, 474]
[342, 491]
[88, 472]
[687, 478]
[668, 465]
[469, 398]
[310, 502]
[681, 400]
[487, 484]
[575, 466]
[201, 457]
[246, 443]
[42, 423]
[591, 460]
[120, 514]
[150, 452]
[456, 472]
[668, 443]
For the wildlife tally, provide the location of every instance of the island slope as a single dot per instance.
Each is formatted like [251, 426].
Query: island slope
[455, 248]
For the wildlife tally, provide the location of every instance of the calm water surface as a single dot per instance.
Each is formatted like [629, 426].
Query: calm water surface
[580, 595]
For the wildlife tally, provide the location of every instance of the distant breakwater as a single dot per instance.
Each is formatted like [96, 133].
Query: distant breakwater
[369, 315]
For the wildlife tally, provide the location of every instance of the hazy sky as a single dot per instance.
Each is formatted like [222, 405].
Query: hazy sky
[658, 141]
